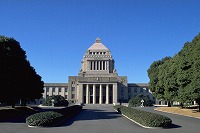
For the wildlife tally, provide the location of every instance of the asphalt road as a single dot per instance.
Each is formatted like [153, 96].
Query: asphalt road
[102, 119]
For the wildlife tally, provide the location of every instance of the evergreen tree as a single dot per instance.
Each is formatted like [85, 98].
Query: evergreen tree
[18, 79]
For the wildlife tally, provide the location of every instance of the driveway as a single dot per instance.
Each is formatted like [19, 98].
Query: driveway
[102, 119]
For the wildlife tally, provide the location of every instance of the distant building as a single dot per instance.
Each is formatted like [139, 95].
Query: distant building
[97, 81]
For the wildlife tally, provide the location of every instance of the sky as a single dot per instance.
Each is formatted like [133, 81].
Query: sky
[56, 33]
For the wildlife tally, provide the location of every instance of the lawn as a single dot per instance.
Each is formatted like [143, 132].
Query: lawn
[177, 110]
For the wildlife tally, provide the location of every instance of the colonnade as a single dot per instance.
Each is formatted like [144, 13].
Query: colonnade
[98, 65]
[98, 93]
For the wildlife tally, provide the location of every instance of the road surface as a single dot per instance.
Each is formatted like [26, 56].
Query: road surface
[102, 119]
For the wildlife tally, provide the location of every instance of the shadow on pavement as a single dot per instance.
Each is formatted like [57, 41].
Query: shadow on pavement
[92, 114]
[173, 126]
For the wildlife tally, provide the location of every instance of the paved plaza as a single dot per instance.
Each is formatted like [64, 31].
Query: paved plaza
[102, 119]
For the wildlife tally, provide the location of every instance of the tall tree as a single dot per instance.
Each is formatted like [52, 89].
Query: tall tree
[153, 73]
[178, 78]
[18, 78]
[168, 80]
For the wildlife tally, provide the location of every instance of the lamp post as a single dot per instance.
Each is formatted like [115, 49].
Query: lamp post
[52, 102]
[142, 103]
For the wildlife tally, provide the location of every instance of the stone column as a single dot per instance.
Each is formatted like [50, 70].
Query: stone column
[87, 94]
[50, 91]
[100, 95]
[80, 93]
[45, 92]
[115, 94]
[107, 94]
[105, 65]
[57, 90]
[101, 65]
[95, 65]
[94, 94]
[92, 65]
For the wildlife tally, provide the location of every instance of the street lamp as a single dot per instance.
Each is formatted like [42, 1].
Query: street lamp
[142, 103]
[52, 102]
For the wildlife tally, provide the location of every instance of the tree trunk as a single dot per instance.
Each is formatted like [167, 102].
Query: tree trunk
[181, 104]
[169, 103]
[198, 102]
[23, 102]
[199, 105]
[13, 105]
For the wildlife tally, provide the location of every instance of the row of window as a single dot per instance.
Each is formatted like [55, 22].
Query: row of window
[54, 89]
[94, 53]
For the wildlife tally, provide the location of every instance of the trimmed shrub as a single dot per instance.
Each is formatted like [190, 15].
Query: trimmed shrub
[49, 118]
[52, 118]
[145, 118]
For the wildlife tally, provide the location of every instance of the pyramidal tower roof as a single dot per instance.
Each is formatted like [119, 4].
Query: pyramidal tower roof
[98, 45]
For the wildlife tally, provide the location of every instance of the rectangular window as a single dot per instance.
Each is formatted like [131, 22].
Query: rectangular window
[73, 88]
[90, 65]
[65, 96]
[73, 84]
[66, 90]
[97, 65]
[103, 65]
[73, 96]
[59, 89]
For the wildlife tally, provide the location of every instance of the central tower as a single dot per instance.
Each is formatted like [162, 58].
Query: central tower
[97, 81]
[97, 62]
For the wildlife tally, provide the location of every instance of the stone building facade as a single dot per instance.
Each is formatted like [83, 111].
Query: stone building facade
[97, 81]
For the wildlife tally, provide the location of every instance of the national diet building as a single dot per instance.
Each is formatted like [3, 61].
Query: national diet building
[98, 81]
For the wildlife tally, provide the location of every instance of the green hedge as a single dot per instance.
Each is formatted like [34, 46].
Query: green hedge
[6, 114]
[49, 118]
[145, 118]
[52, 118]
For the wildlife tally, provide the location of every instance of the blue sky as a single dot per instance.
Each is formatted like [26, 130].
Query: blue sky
[56, 33]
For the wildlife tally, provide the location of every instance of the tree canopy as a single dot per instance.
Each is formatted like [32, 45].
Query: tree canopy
[136, 101]
[18, 79]
[58, 100]
[178, 78]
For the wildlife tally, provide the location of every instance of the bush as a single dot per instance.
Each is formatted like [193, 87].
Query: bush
[136, 101]
[58, 101]
[52, 118]
[49, 118]
[145, 118]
